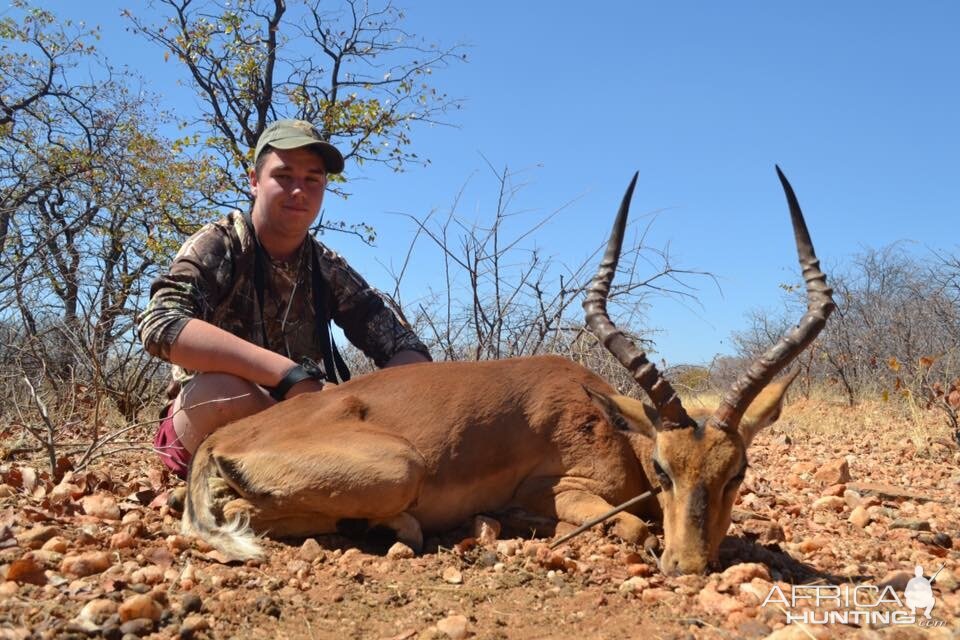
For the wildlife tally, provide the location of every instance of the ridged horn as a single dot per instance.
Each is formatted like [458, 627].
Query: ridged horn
[819, 307]
[662, 394]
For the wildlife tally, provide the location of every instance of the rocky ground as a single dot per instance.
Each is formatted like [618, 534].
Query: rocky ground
[834, 496]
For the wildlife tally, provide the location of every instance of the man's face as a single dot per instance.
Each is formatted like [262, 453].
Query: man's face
[289, 189]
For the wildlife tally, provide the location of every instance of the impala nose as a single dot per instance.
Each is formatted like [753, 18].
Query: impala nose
[677, 564]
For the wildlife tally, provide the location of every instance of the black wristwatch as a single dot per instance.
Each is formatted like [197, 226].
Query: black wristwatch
[306, 370]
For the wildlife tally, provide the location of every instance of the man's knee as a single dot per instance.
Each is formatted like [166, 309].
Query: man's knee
[211, 400]
[224, 394]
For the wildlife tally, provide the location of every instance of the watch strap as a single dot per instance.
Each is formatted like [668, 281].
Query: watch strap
[296, 374]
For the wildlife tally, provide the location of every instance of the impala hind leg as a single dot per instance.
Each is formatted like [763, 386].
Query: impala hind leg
[355, 474]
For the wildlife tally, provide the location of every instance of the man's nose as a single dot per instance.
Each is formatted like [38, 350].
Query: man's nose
[298, 187]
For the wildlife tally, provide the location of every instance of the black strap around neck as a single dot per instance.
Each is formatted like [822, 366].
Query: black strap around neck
[333, 363]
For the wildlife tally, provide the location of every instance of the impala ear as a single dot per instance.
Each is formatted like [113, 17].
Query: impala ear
[627, 414]
[766, 407]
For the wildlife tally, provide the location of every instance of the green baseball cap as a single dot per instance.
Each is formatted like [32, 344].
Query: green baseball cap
[293, 134]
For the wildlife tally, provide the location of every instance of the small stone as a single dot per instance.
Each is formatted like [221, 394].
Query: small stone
[833, 472]
[634, 584]
[946, 581]
[913, 525]
[487, 559]
[400, 551]
[717, 603]
[8, 589]
[652, 596]
[753, 629]
[640, 569]
[943, 540]
[97, 611]
[192, 624]
[178, 544]
[57, 544]
[140, 606]
[452, 575]
[810, 545]
[310, 550]
[151, 575]
[454, 627]
[35, 537]
[266, 605]
[101, 506]
[860, 517]
[829, 503]
[896, 579]
[738, 574]
[191, 603]
[801, 468]
[609, 550]
[121, 540]
[65, 492]
[486, 530]
[852, 497]
[137, 627]
[835, 490]
[508, 548]
[85, 564]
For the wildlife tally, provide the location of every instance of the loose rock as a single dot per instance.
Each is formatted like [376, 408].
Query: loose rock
[35, 537]
[455, 627]
[833, 472]
[400, 551]
[85, 564]
[101, 506]
[310, 550]
[860, 517]
[452, 575]
[191, 625]
[140, 606]
[913, 525]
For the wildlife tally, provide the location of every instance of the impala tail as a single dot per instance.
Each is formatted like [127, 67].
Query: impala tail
[235, 538]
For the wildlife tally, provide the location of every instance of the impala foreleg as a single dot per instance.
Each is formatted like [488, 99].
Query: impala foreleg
[577, 506]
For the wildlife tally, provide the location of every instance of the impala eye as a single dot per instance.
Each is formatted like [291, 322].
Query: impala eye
[737, 479]
[662, 476]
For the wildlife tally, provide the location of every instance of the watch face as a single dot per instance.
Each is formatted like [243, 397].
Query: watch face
[312, 368]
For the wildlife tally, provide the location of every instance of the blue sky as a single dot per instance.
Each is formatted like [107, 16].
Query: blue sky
[857, 101]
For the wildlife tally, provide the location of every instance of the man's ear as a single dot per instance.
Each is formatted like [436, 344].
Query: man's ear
[253, 181]
[626, 413]
[766, 407]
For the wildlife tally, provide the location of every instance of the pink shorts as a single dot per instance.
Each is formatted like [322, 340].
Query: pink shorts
[167, 445]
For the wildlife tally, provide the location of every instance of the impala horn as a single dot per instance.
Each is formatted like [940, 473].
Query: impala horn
[819, 307]
[662, 394]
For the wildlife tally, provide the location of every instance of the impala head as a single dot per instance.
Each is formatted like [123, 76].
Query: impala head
[700, 463]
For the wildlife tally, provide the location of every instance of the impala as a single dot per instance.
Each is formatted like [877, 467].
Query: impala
[424, 447]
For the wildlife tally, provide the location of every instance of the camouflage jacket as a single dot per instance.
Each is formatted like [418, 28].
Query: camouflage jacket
[212, 278]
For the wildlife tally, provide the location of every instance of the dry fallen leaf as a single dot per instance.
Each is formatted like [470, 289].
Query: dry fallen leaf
[27, 570]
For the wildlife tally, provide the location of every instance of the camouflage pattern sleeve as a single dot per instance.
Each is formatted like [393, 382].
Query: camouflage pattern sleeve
[198, 279]
[371, 321]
